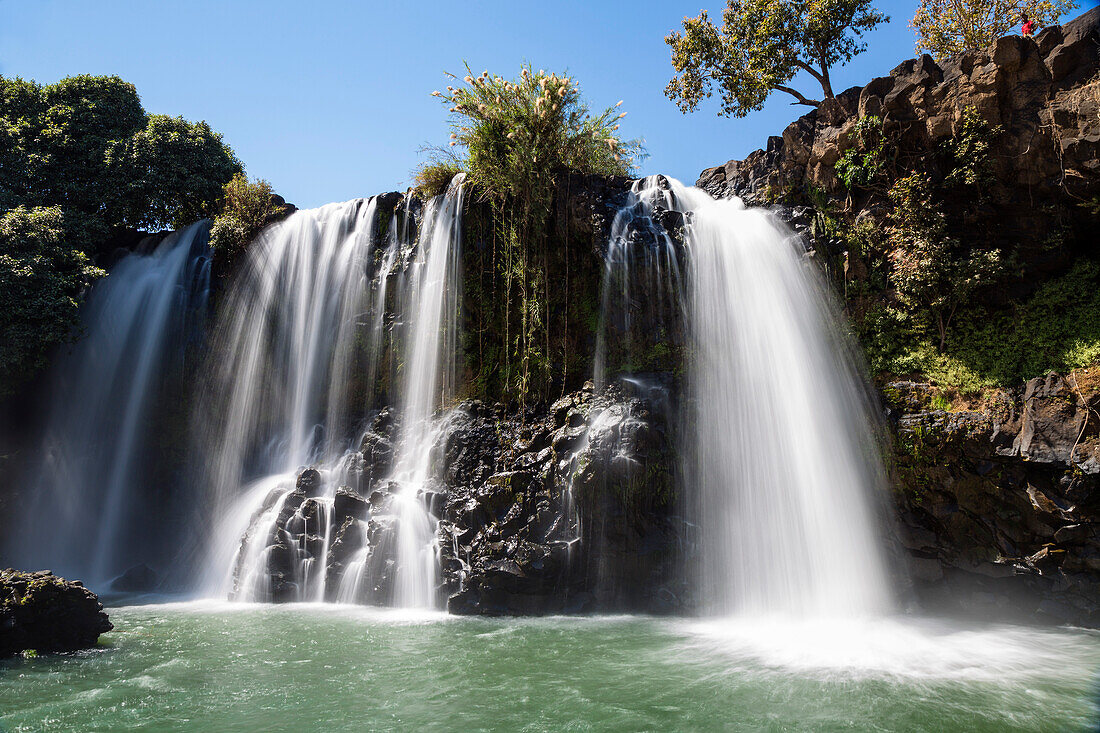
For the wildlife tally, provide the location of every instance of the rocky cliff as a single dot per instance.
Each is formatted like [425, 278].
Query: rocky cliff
[1041, 95]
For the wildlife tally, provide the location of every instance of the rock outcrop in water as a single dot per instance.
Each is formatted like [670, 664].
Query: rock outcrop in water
[43, 612]
[1000, 505]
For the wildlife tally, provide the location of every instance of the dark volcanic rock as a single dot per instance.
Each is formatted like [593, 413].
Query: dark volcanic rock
[567, 510]
[1000, 507]
[46, 613]
[1043, 94]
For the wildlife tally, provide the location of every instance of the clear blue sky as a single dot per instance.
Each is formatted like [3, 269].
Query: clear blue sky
[331, 100]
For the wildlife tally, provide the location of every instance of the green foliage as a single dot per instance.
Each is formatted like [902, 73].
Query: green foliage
[41, 279]
[520, 135]
[1057, 328]
[85, 144]
[172, 172]
[864, 164]
[967, 152]
[931, 270]
[760, 47]
[516, 140]
[80, 160]
[246, 206]
[951, 27]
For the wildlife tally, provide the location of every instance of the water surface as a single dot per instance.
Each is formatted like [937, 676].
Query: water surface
[209, 666]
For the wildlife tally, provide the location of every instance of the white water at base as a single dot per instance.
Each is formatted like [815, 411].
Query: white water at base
[86, 516]
[783, 466]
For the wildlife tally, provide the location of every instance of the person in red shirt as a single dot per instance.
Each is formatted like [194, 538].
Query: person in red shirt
[1028, 25]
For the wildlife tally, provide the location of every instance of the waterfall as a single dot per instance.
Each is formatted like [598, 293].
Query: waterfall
[293, 335]
[434, 306]
[782, 466]
[326, 309]
[91, 512]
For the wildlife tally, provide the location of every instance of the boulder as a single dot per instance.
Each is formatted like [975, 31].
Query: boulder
[43, 612]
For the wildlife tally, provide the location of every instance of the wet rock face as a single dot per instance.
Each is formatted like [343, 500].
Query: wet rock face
[567, 510]
[46, 613]
[999, 508]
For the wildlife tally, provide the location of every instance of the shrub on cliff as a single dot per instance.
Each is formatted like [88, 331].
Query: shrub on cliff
[245, 207]
[951, 27]
[931, 271]
[761, 46]
[41, 279]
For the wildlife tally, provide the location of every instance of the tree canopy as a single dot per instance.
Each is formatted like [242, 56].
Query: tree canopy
[761, 46]
[950, 27]
[81, 160]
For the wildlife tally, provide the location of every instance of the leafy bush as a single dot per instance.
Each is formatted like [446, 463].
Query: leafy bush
[931, 270]
[519, 135]
[863, 164]
[80, 161]
[245, 208]
[41, 279]
[1057, 328]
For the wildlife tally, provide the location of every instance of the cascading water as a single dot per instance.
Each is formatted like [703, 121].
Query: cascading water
[303, 340]
[434, 301]
[287, 346]
[90, 513]
[782, 463]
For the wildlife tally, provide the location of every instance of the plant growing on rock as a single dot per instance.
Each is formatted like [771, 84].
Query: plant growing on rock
[516, 139]
[864, 164]
[246, 207]
[951, 27]
[930, 270]
[761, 46]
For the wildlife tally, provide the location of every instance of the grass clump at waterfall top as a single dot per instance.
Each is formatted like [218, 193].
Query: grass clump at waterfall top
[516, 139]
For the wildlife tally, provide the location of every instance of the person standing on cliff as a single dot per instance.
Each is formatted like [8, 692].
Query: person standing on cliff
[1027, 27]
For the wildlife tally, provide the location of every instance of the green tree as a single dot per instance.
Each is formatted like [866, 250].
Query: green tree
[761, 46]
[951, 27]
[931, 271]
[79, 161]
[245, 207]
[173, 172]
[41, 279]
[86, 144]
